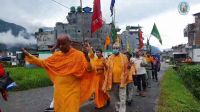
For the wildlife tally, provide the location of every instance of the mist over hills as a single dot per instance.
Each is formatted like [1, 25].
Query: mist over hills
[13, 37]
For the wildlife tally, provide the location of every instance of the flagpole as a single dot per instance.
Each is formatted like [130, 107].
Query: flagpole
[148, 44]
[114, 14]
[114, 22]
[82, 20]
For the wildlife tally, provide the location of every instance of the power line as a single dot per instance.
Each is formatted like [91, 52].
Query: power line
[60, 4]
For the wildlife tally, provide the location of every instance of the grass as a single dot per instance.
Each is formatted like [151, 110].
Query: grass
[28, 78]
[174, 96]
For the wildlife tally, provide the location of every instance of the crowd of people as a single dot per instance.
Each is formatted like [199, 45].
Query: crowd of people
[79, 75]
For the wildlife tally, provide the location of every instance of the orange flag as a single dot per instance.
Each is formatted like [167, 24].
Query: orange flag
[107, 42]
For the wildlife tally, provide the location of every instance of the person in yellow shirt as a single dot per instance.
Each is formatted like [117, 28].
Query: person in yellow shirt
[116, 78]
[99, 65]
[69, 70]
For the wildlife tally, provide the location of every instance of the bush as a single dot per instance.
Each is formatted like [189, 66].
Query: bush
[190, 75]
[174, 96]
[28, 78]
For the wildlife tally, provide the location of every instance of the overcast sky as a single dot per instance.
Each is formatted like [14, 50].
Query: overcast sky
[33, 14]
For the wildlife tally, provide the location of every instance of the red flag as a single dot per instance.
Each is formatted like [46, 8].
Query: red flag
[97, 21]
[140, 40]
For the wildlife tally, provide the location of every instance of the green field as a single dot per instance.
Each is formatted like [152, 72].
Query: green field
[28, 78]
[174, 96]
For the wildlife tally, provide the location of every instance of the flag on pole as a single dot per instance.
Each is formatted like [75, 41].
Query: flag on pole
[113, 32]
[141, 44]
[118, 40]
[97, 21]
[112, 6]
[127, 46]
[156, 33]
[107, 42]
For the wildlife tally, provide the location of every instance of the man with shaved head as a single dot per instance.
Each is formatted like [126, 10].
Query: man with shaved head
[69, 70]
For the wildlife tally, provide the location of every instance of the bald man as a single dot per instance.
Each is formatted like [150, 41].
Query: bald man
[68, 69]
[116, 78]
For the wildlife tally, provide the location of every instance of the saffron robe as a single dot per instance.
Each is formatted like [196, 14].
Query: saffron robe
[101, 97]
[71, 76]
[109, 76]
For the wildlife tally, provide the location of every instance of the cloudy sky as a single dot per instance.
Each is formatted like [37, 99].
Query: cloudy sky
[33, 14]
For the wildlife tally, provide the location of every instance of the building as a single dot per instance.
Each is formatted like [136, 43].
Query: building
[192, 31]
[79, 28]
[45, 39]
[130, 38]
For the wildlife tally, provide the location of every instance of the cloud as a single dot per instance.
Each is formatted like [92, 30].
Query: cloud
[33, 14]
[170, 25]
[11, 40]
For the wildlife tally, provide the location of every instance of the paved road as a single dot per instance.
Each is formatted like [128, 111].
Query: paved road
[140, 104]
[36, 100]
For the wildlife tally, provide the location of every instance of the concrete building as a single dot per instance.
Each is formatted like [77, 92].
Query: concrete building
[79, 28]
[45, 39]
[130, 38]
[192, 31]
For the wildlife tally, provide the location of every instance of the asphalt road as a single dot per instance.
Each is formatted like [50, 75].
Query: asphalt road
[36, 100]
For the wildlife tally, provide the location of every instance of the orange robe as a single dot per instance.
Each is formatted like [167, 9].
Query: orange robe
[100, 96]
[123, 78]
[70, 76]
[149, 59]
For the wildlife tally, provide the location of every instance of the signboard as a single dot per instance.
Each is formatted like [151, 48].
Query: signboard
[196, 55]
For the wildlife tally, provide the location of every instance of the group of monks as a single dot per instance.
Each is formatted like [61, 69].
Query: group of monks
[77, 75]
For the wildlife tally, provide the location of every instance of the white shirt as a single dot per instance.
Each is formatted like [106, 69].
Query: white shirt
[138, 61]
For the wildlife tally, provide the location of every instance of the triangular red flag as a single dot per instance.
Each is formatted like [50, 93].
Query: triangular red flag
[97, 21]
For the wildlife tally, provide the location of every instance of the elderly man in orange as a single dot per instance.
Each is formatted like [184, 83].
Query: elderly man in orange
[68, 70]
[116, 78]
[99, 65]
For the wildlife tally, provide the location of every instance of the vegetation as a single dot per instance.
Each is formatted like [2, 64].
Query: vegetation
[190, 74]
[28, 78]
[175, 97]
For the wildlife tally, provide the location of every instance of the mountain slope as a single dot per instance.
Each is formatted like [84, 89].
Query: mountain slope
[15, 29]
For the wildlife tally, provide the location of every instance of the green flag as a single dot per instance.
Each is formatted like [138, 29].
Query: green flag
[156, 33]
[113, 32]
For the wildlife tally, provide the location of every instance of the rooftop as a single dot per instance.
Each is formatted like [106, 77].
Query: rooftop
[197, 14]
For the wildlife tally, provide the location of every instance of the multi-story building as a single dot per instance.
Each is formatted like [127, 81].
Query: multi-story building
[79, 28]
[130, 38]
[192, 31]
[45, 39]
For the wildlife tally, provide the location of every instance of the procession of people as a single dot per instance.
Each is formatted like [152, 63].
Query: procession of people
[79, 75]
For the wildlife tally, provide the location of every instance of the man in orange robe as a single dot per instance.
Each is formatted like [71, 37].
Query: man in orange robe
[99, 65]
[117, 77]
[68, 69]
